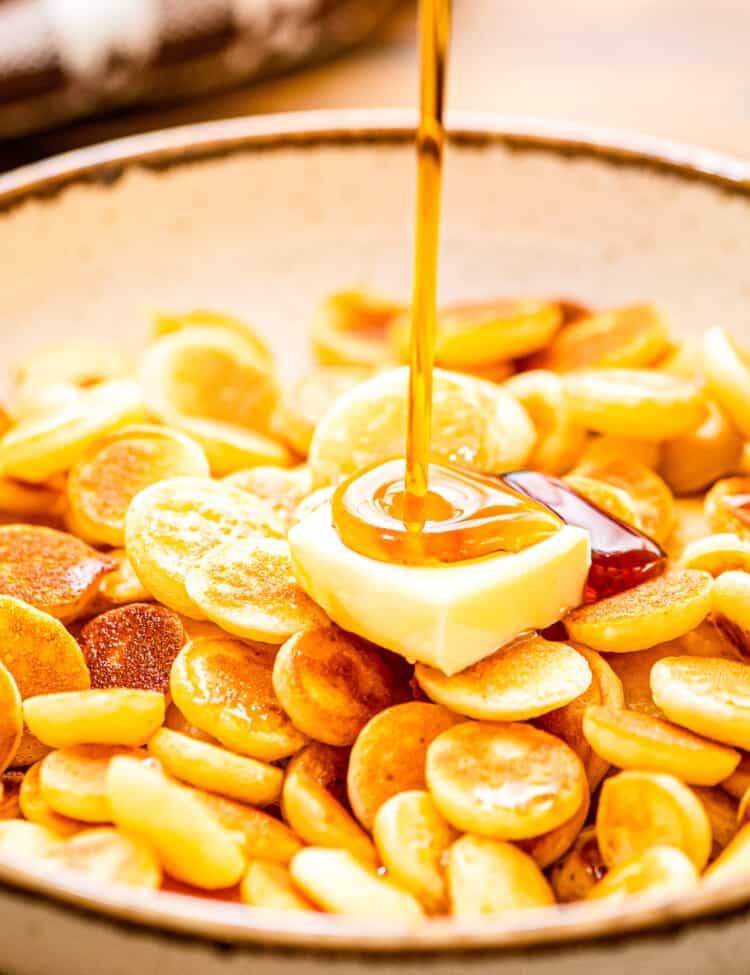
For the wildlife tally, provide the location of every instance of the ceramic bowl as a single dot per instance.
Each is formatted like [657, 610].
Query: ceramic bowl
[261, 217]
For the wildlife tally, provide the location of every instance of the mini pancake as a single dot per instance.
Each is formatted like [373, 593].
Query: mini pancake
[482, 333]
[603, 450]
[567, 722]
[110, 856]
[727, 369]
[268, 884]
[331, 683]
[389, 755]
[743, 811]
[731, 603]
[494, 372]
[727, 506]
[42, 657]
[651, 613]
[542, 780]
[208, 373]
[204, 628]
[649, 494]
[171, 525]
[630, 740]
[105, 480]
[640, 810]
[634, 403]
[524, 679]
[24, 501]
[119, 586]
[491, 877]
[78, 363]
[11, 718]
[475, 423]
[304, 404]
[629, 337]
[613, 500]
[717, 554]
[548, 848]
[412, 839]
[225, 687]
[708, 695]
[214, 769]
[114, 716]
[690, 524]
[733, 862]
[314, 798]
[683, 359]
[738, 783]
[73, 781]
[42, 446]
[249, 588]
[10, 787]
[706, 640]
[350, 328]
[230, 895]
[36, 809]
[573, 876]
[35, 402]
[132, 646]
[634, 669]
[560, 441]
[26, 841]
[258, 833]
[661, 870]
[722, 813]
[188, 839]
[176, 720]
[166, 323]
[339, 883]
[281, 488]
[50, 570]
[692, 462]
[230, 448]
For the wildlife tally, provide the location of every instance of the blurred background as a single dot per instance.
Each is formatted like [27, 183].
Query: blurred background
[75, 72]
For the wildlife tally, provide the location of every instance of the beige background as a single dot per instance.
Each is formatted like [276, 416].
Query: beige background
[677, 68]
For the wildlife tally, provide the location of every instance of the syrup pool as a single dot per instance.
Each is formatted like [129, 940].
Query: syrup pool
[464, 516]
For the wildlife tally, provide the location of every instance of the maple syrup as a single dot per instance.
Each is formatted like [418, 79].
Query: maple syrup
[621, 556]
[433, 54]
[413, 511]
[466, 516]
[417, 512]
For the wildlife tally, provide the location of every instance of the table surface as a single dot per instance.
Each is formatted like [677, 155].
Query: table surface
[675, 68]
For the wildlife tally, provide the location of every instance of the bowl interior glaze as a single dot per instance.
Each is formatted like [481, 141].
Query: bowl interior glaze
[263, 217]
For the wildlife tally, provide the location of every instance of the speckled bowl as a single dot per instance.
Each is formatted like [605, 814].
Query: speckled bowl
[262, 217]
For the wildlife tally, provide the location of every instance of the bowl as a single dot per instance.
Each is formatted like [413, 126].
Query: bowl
[261, 217]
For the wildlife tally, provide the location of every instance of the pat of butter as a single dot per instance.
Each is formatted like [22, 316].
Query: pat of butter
[448, 616]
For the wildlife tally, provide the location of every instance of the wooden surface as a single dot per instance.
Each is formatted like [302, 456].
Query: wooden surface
[676, 68]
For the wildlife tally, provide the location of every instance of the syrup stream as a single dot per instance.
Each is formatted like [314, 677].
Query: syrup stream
[434, 39]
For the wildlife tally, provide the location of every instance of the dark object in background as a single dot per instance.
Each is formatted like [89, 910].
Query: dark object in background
[61, 60]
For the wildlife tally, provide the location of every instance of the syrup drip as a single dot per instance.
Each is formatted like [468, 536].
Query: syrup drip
[621, 556]
[467, 516]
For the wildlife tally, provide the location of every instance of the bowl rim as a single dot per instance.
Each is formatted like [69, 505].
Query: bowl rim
[106, 162]
[170, 915]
